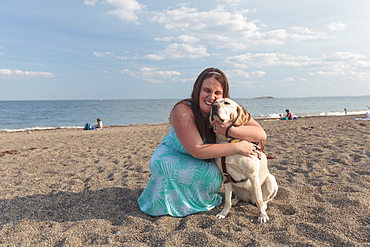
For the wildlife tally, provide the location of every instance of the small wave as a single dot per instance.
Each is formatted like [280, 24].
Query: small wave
[41, 128]
[311, 114]
[336, 113]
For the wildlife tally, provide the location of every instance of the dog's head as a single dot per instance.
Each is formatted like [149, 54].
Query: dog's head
[226, 110]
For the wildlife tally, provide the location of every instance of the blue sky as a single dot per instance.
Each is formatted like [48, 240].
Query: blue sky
[134, 49]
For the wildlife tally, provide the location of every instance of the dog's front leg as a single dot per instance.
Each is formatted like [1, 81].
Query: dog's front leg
[228, 194]
[261, 205]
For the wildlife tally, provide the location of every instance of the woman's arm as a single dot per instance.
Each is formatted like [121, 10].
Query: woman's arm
[182, 119]
[251, 131]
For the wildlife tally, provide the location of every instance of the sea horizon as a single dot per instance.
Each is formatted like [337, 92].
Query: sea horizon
[21, 115]
[257, 97]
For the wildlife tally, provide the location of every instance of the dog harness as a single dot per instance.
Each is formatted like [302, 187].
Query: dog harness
[258, 151]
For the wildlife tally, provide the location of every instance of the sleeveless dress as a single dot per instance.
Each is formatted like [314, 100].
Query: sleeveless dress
[180, 184]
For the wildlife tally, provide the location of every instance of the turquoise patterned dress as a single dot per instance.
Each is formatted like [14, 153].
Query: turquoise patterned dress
[180, 184]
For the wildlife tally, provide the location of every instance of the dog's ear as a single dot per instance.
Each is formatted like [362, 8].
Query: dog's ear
[243, 116]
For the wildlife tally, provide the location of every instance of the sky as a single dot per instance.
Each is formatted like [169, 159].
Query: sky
[147, 49]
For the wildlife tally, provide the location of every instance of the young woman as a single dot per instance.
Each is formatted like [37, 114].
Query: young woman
[185, 179]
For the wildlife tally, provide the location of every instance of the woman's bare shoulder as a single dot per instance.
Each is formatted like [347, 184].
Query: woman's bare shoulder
[182, 111]
[182, 106]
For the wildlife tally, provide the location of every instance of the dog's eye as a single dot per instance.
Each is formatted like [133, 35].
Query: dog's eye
[227, 103]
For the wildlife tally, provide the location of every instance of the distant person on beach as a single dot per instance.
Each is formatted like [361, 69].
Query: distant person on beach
[345, 111]
[289, 115]
[185, 179]
[98, 126]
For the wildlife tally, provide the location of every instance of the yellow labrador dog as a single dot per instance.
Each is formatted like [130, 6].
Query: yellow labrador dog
[248, 177]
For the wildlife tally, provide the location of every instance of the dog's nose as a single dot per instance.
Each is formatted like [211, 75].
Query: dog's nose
[214, 106]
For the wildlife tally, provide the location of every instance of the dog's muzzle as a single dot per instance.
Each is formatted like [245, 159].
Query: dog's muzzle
[215, 115]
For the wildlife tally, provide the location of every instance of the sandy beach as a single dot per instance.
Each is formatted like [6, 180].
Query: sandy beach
[70, 187]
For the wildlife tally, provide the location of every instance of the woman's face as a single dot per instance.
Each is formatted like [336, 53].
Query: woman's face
[210, 91]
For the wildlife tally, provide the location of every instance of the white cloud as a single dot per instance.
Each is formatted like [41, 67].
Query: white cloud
[196, 32]
[177, 51]
[270, 59]
[236, 73]
[258, 73]
[337, 26]
[343, 56]
[216, 27]
[305, 80]
[155, 57]
[126, 9]
[239, 73]
[182, 38]
[273, 37]
[281, 36]
[289, 79]
[224, 29]
[300, 33]
[234, 2]
[110, 54]
[90, 2]
[101, 54]
[191, 20]
[152, 74]
[225, 42]
[8, 72]
[345, 65]
[363, 64]
[344, 70]
[302, 30]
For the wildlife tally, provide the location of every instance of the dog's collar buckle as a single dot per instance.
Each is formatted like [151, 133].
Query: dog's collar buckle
[233, 140]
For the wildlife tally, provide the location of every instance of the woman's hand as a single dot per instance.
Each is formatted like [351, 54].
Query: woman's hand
[251, 131]
[246, 148]
[220, 128]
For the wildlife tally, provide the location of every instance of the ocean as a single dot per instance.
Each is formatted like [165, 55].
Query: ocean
[51, 114]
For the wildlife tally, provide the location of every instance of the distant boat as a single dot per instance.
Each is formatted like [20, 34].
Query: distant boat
[265, 97]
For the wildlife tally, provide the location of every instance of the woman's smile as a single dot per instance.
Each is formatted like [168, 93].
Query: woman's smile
[211, 90]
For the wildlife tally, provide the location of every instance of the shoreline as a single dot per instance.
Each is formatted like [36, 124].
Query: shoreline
[68, 187]
[150, 124]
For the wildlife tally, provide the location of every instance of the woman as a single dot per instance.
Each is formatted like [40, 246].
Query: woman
[184, 180]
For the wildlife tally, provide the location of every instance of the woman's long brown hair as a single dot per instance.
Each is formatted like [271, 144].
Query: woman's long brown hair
[201, 122]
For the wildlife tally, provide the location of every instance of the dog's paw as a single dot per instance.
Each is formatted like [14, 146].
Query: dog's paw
[263, 218]
[220, 216]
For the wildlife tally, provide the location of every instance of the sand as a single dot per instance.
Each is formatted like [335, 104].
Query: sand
[70, 187]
